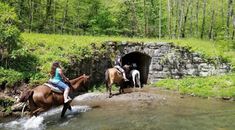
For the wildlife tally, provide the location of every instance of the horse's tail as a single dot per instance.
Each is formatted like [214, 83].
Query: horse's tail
[25, 96]
[137, 78]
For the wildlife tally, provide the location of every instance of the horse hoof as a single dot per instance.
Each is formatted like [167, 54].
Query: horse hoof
[110, 96]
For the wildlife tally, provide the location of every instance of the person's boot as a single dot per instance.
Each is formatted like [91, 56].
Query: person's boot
[67, 99]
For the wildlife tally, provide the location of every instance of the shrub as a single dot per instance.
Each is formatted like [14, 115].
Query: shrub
[10, 76]
[9, 32]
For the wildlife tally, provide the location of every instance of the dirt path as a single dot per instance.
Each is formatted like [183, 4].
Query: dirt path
[133, 96]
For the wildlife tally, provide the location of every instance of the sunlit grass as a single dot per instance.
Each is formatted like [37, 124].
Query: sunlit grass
[212, 86]
[56, 42]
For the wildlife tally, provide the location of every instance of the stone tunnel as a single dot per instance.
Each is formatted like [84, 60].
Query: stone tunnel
[142, 61]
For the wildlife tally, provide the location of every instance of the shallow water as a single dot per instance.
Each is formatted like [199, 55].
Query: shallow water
[173, 112]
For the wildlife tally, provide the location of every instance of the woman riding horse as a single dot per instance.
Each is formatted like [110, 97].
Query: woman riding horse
[58, 78]
[118, 65]
[42, 98]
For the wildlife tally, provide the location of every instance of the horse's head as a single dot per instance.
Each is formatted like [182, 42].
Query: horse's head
[85, 79]
[81, 81]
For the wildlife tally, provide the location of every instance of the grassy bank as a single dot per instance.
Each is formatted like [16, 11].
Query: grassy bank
[222, 86]
[212, 86]
[46, 48]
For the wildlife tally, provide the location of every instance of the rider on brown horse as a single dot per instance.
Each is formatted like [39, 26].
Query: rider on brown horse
[58, 78]
[118, 64]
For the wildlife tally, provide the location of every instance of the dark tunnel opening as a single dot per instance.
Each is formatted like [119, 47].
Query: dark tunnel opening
[143, 62]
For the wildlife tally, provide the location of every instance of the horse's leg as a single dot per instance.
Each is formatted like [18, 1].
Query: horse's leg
[110, 90]
[39, 110]
[138, 80]
[133, 79]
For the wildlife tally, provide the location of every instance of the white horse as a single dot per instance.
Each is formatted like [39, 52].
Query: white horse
[135, 74]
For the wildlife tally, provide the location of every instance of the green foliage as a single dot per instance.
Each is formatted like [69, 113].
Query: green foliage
[143, 18]
[10, 76]
[38, 78]
[22, 60]
[5, 105]
[9, 33]
[213, 86]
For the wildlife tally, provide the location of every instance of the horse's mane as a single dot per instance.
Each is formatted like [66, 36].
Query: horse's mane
[77, 82]
[77, 79]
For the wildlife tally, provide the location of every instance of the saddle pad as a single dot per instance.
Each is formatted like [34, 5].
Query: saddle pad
[55, 89]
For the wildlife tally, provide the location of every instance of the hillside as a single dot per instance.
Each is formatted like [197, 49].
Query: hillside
[46, 48]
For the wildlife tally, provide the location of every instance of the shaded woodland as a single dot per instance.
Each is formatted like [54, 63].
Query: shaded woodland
[213, 19]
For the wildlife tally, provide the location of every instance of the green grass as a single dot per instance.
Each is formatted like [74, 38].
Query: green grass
[212, 86]
[54, 43]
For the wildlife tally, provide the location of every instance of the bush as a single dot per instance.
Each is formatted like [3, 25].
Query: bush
[10, 76]
[9, 32]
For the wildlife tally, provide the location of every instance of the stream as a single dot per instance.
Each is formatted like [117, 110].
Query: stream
[147, 109]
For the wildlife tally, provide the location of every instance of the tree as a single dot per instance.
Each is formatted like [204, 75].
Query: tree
[9, 32]
[203, 19]
[229, 14]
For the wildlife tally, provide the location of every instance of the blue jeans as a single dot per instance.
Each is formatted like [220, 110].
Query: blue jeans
[61, 85]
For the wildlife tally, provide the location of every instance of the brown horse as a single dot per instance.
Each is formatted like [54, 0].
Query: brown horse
[113, 76]
[42, 98]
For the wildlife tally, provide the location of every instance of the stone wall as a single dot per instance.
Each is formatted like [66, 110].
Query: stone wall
[155, 61]
[170, 61]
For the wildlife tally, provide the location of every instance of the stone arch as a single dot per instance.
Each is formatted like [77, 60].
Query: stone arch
[143, 62]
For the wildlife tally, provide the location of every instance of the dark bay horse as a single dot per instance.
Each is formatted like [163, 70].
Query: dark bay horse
[42, 98]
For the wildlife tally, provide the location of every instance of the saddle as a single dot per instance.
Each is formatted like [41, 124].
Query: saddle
[118, 69]
[53, 88]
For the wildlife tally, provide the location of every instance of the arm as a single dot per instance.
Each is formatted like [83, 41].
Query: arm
[63, 76]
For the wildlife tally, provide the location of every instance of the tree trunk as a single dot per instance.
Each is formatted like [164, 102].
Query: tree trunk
[134, 19]
[191, 18]
[48, 16]
[180, 17]
[211, 31]
[174, 18]
[64, 17]
[233, 27]
[169, 18]
[145, 20]
[203, 19]
[229, 14]
[197, 17]
[185, 19]
[54, 18]
[160, 20]
[31, 9]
